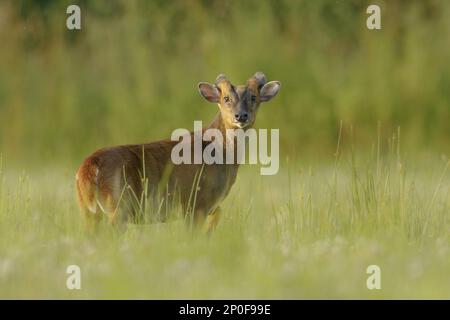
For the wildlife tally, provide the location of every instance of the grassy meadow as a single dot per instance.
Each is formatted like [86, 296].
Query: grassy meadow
[309, 232]
[364, 147]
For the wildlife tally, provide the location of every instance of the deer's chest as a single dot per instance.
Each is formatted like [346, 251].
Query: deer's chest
[215, 184]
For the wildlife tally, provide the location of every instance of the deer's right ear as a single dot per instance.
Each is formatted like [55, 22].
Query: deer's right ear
[209, 92]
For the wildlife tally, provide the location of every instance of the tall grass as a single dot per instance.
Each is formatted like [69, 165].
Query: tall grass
[309, 232]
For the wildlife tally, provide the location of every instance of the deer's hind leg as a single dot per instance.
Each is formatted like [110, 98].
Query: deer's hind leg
[88, 209]
[111, 199]
[91, 219]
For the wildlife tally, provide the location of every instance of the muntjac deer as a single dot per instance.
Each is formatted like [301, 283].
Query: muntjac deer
[114, 181]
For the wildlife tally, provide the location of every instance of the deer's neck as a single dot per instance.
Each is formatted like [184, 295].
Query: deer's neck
[229, 141]
[219, 124]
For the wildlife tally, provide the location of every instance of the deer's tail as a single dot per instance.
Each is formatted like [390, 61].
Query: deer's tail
[87, 186]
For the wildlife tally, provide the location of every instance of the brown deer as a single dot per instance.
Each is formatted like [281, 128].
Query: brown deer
[115, 181]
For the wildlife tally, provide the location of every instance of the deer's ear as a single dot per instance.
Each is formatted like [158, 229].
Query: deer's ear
[209, 92]
[269, 90]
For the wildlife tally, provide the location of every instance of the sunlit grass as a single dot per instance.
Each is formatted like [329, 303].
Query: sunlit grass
[309, 232]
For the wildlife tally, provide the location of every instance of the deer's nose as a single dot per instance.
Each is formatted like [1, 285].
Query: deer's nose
[241, 117]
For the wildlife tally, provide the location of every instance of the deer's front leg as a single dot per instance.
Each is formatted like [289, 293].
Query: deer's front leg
[211, 221]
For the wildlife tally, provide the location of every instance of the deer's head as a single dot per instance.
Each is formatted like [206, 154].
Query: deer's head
[239, 104]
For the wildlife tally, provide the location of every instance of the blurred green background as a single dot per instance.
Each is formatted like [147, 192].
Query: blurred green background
[130, 74]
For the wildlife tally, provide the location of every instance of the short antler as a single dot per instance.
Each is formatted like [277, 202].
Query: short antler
[260, 79]
[221, 77]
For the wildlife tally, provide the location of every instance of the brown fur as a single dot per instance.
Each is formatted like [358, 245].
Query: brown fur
[112, 180]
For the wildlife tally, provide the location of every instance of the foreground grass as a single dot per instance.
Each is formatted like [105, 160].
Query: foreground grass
[309, 232]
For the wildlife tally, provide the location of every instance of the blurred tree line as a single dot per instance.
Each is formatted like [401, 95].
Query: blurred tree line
[130, 74]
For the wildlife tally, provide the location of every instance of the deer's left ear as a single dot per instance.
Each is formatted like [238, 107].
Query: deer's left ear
[269, 90]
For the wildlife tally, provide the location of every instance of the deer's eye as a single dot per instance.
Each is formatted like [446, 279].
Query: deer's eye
[226, 99]
[253, 98]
